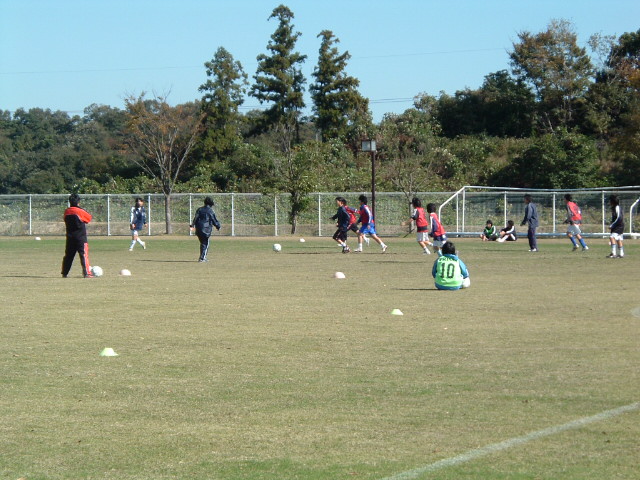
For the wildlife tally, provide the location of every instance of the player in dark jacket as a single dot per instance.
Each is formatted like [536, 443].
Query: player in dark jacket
[617, 228]
[75, 220]
[343, 222]
[203, 223]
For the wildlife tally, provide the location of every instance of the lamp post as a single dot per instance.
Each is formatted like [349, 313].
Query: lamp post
[370, 146]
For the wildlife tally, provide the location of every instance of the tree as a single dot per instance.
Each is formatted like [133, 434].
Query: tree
[279, 81]
[558, 70]
[559, 160]
[336, 100]
[162, 136]
[223, 95]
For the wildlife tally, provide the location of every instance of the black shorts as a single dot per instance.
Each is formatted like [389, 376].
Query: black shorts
[353, 227]
[340, 235]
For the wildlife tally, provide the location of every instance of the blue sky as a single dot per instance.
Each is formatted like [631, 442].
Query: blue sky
[68, 54]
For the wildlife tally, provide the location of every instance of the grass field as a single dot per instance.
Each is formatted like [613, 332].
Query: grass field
[260, 365]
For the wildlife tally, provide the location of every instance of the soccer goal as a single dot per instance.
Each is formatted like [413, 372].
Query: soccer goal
[466, 211]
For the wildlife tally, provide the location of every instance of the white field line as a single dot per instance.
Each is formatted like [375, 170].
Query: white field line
[512, 442]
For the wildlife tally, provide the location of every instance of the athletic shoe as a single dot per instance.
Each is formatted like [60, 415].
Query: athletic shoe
[575, 247]
[144, 245]
[611, 255]
[366, 239]
[64, 276]
[89, 275]
[384, 248]
[131, 249]
[346, 249]
[533, 250]
[357, 250]
[427, 252]
[584, 249]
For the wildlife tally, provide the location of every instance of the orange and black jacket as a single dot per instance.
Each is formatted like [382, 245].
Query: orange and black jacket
[75, 219]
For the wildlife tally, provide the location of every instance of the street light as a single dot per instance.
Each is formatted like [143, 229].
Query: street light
[370, 146]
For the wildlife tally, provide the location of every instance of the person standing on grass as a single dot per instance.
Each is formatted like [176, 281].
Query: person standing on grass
[616, 227]
[530, 218]
[343, 222]
[574, 219]
[137, 221]
[437, 232]
[203, 223]
[75, 221]
[367, 225]
[422, 225]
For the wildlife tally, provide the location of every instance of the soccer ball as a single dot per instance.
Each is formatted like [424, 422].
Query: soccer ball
[97, 271]
[125, 273]
[277, 247]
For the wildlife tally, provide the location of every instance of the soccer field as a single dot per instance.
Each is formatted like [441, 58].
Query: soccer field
[261, 365]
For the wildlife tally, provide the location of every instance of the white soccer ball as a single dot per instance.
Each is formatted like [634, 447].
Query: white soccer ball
[277, 247]
[466, 282]
[125, 273]
[38, 238]
[97, 271]
[302, 240]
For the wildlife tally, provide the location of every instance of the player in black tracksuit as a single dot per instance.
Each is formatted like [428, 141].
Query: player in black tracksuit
[75, 220]
[204, 221]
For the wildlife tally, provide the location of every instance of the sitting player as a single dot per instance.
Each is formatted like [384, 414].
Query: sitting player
[449, 271]
[490, 232]
[508, 233]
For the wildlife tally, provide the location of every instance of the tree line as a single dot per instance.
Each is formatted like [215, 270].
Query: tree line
[559, 118]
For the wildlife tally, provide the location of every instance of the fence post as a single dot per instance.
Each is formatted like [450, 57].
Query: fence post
[505, 208]
[233, 214]
[30, 219]
[190, 211]
[603, 224]
[149, 214]
[319, 215]
[464, 205]
[554, 212]
[108, 215]
[275, 213]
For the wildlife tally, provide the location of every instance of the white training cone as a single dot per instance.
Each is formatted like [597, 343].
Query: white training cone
[108, 352]
[339, 275]
[396, 311]
[125, 273]
[302, 240]
[38, 238]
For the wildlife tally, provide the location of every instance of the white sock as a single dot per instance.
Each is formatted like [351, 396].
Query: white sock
[359, 246]
[613, 249]
[133, 242]
[621, 252]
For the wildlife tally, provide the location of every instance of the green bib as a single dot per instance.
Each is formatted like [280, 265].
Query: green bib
[448, 273]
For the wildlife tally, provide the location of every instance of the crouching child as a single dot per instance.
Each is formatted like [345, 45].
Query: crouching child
[449, 271]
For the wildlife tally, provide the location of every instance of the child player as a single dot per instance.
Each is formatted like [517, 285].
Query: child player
[508, 233]
[137, 222]
[437, 230]
[343, 222]
[574, 219]
[449, 271]
[75, 220]
[617, 228]
[489, 233]
[368, 225]
[203, 223]
[422, 225]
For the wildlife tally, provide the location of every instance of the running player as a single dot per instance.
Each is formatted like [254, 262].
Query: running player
[437, 230]
[422, 225]
[368, 226]
[137, 221]
[574, 219]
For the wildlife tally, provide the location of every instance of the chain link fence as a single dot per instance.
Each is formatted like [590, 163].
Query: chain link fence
[252, 214]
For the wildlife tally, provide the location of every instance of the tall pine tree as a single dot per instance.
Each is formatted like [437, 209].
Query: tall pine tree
[279, 81]
[337, 104]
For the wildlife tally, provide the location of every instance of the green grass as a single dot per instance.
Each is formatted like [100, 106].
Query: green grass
[260, 365]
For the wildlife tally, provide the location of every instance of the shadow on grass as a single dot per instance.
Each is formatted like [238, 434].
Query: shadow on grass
[167, 261]
[434, 289]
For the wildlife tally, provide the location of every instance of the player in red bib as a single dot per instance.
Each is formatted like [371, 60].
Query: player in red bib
[574, 219]
[437, 230]
[422, 225]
